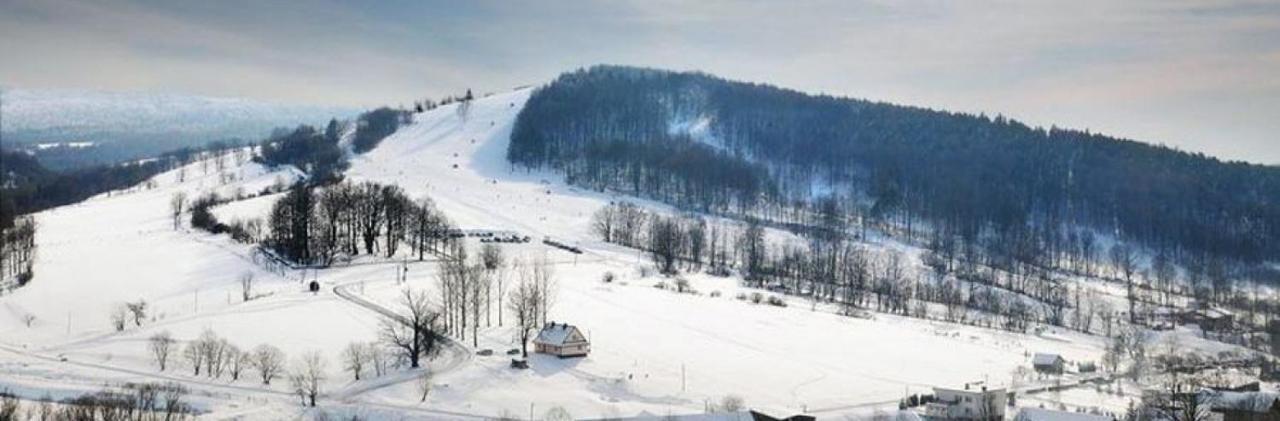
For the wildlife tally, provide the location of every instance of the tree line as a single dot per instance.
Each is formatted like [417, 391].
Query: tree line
[132, 401]
[318, 225]
[1026, 196]
[832, 269]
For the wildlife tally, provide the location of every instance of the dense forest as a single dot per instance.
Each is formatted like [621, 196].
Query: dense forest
[319, 153]
[1026, 195]
[374, 126]
[312, 151]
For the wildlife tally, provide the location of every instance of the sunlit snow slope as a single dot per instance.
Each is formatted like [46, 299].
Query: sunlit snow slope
[654, 350]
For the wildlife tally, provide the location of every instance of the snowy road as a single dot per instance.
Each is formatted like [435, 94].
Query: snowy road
[451, 356]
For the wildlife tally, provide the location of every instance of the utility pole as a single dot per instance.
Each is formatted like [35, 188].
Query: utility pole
[682, 378]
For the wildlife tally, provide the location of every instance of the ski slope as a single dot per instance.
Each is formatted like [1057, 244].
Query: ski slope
[654, 351]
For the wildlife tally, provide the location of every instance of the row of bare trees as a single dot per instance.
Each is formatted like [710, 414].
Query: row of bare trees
[122, 314]
[677, 242]
[215, 357]
[473, 290]
[133, 401]
[830, 268]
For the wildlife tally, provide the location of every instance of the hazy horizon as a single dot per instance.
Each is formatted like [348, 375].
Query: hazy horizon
[1197, 76]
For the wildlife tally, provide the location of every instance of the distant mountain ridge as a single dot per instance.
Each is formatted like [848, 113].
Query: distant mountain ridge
[28, 110]
[127, 125]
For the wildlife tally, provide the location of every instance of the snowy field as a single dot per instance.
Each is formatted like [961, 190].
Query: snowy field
[654, 350]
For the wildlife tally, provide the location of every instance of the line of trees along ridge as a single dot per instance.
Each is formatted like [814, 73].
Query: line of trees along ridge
[713, 145]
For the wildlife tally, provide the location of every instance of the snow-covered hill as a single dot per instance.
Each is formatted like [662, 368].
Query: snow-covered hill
[653, 351]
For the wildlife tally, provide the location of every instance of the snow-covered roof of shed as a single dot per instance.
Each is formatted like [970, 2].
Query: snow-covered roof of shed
[1037, 414]
[1045, 359]
[1241, 401]
[556, 334]
[1217, 313]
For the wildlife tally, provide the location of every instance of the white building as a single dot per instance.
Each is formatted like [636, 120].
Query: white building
[562, 340]
[971, 403]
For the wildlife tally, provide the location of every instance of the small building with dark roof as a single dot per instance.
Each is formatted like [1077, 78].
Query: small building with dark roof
[1048, 363]
[562, 340]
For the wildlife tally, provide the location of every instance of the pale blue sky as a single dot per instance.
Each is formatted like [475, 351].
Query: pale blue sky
[1199, 75]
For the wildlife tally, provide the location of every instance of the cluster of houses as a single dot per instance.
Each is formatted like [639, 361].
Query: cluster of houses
[983, 404]
[973, 401]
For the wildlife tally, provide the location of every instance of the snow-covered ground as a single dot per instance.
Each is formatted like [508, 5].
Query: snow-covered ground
[654, 350]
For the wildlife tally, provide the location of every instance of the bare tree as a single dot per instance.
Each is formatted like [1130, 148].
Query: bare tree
[494, 262]
[177, 205]
[119, 316]
[424, 385]
[214, 350]
[246, 286]
[1165, 273]
[307, 377]
[1124, 262]
[138, 310]
[161, 344]
[413, 332]
[477, 289]
[194, 355]
[1179, 400]
[602, 222]
[523, 305]
[543, 277]
[237, 361]
[269, 361]
[378, 358]
[354, 358]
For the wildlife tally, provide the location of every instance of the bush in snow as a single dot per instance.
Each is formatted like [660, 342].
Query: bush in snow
[715, 294]
[682, 285]
[756, 297]
[557, 414]
[776, 301]
[119, 316]
[732, 403]
[608, 277]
